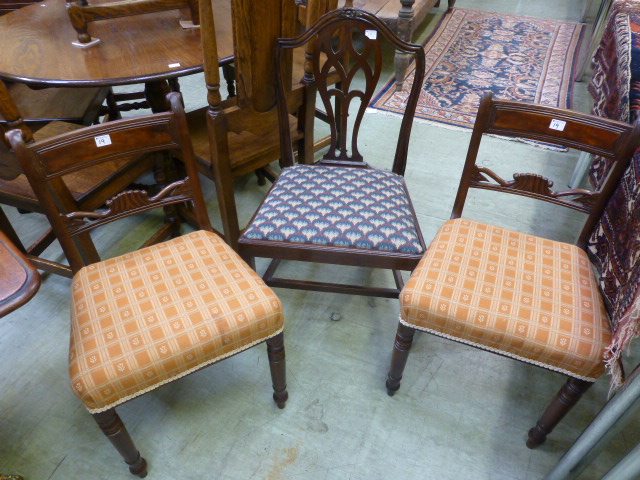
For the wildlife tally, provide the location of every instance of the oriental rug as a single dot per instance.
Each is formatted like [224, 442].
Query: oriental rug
[614, 247]
[470, 52]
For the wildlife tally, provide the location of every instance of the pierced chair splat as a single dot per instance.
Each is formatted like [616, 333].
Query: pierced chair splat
[147, 318]
[515, 294]
[340, 210]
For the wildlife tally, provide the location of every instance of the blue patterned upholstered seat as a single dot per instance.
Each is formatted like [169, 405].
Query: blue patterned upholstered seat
[338, 206]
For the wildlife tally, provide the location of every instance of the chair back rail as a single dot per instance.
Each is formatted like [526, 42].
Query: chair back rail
[607, 138]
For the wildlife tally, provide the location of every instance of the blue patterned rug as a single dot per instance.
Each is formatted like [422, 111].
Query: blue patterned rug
[471, 51]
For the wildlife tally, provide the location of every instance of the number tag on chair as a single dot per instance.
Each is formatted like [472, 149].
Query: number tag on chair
[372, 34]
[102, 140]
[557, 125]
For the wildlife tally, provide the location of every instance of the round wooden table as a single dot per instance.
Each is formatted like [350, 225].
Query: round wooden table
[151, 48]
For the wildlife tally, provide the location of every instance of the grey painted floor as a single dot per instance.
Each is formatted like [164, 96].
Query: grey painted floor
[460, 414]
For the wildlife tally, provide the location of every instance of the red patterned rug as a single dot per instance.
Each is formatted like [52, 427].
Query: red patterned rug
[471, 51]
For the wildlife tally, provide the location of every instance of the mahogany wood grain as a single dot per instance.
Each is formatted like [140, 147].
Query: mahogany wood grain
[19, 280]
[47, 162]
[615, 141]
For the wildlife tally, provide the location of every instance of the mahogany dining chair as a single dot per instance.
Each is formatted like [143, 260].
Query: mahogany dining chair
[149, 317]
[339, 210]
[520, 295]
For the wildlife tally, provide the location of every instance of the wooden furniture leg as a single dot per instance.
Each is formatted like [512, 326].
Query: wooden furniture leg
[404, 339]
[277, 364]
[405, 27]
[566, 398]
[111, 425]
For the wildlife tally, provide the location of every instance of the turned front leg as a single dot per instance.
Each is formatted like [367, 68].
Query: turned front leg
[277, 364]
[401, 347]
[565, 399]
[111, 425]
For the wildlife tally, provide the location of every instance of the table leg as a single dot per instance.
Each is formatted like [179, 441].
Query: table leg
[404, 31]
[156, 93]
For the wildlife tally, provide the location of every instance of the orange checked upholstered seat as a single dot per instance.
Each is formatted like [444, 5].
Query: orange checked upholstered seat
[518, 294]
[146, 318]
[523, 296]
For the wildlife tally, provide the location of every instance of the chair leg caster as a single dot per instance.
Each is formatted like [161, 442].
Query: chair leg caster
[139, 467]
[392, 386]
[536, 437]
[280, 398]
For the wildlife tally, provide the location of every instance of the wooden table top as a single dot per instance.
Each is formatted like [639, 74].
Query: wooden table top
[37, 50]
[19, 280]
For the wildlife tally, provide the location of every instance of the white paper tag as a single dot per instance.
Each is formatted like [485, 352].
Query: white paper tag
[372, 34]
[102, 140]
[557, 125]
[173, 65]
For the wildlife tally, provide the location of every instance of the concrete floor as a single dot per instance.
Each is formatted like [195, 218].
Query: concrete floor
[460, 414]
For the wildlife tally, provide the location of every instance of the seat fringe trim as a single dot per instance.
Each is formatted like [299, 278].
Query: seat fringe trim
[182, 374]
[501, 352]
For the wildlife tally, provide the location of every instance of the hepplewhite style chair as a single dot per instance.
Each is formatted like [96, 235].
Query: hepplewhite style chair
[339, 210]
[147, 318]
[515, 294]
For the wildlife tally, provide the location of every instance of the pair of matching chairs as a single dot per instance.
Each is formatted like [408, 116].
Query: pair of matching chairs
[147, 318]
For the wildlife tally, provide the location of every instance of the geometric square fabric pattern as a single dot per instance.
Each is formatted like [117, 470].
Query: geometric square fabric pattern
[523, 296]
[148, 317]
[337, 206]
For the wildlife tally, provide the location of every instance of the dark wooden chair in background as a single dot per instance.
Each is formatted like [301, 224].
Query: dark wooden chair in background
[83, 106]
[238, 136]
[146, 318]
[90, 188]
[81, 13]
[19, 279]
[515, 294]
[339, 210]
